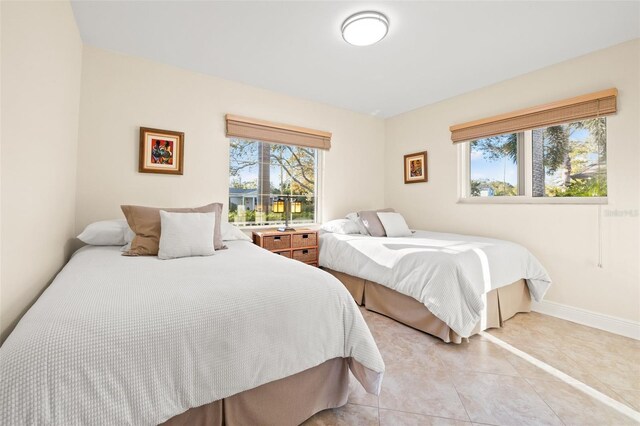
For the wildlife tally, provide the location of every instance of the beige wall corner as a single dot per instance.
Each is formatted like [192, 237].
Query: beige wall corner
[563, 237]
[41, 71]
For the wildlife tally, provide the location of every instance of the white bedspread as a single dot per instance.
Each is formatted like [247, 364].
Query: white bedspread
[137, 340]
[449, 273]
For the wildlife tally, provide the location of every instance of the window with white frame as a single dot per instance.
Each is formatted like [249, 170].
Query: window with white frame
[570, 160]
[566, 160]
[495, 166]
[261, 174]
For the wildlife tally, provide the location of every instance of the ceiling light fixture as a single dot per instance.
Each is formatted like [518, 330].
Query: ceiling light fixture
[365, 28]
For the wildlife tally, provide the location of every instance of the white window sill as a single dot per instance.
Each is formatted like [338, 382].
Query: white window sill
[277, 225]
[533, 200]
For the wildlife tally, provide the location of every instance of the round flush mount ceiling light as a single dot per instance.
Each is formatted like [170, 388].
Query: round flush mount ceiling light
[365, 28]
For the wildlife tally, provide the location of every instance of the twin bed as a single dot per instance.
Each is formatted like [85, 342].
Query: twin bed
[448, 285]
[245, 336]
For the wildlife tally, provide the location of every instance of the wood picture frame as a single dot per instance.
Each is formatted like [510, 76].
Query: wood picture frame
[415, 167]
[161, 151]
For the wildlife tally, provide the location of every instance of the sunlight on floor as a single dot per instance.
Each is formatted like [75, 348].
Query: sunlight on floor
[618, 406]
[535, 370]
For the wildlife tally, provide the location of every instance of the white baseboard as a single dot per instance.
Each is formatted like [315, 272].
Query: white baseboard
[604, 322]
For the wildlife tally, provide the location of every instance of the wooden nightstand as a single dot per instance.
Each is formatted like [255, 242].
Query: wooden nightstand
[301, 244]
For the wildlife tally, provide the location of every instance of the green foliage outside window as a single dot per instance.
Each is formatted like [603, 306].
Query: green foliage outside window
[572, 156]
[260, 173]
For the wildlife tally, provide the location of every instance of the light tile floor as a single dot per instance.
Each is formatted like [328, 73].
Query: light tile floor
[428, 382]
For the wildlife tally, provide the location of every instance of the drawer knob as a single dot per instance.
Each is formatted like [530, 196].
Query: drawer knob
[305, 251]
[305, 235]
[276, 238]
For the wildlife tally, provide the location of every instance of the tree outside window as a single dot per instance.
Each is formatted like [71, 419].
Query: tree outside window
[567, 160]
[260, 173]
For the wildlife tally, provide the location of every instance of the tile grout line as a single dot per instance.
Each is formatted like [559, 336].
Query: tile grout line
[583, 387]
[453, 383]
[605, 385]
[434, 416]
[461, 401]
[518, 375]
[570, 356]
[360, 405]
[544, 400]
[616, 391]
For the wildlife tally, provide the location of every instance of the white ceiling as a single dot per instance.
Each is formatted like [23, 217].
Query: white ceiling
[434, 50]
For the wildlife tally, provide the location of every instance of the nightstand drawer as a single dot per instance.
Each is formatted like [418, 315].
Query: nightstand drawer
[303, 240]
[300, 244]
[286, 253]
[306, 255]
[276, 242]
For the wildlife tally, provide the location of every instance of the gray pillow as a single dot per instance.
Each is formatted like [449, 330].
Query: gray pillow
[371, 221]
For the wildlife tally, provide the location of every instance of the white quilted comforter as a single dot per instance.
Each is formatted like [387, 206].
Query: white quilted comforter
[449, 273]
[137, 340]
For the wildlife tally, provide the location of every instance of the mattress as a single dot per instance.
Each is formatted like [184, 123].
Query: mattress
[138, 340]
[450, 274]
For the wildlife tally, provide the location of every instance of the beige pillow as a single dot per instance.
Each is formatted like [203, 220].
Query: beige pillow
[371, 221]
[145, 222]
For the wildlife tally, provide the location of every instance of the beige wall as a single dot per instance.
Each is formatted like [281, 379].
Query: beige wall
[563, 237]
[41, 69]
[121, 93]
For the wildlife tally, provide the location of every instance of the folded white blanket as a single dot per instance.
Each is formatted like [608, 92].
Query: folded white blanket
[449, 273]
[137, 340]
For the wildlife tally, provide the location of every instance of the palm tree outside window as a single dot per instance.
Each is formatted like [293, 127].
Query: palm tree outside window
[567, 160]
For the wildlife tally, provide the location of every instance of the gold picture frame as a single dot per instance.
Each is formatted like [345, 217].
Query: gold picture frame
[161, 151]
[415, 167]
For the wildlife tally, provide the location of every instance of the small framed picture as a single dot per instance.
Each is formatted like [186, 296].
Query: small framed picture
[415, 167]
[161, 151]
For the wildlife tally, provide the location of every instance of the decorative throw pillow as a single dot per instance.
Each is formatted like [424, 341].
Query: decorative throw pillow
[145, 222]
[231, 232]
[341, 226]
[355, 219]
[394, 224]
[372, 222]
[106, 233]
[186, 234]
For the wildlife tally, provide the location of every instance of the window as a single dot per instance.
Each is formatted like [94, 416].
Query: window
[261, 173]
[494, 166]
[567, 160]
[570, 160]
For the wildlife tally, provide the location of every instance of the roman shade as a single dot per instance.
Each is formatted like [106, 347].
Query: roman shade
[250, 128]
[582, 107]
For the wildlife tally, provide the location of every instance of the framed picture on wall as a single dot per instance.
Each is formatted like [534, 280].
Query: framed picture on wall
[161, 151]
[415, 167]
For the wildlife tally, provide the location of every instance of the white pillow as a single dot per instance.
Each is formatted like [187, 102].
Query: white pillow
[128, 235]
[107, 233]
[231, 232]
[341, 226]
[186, 234]
[394, 224]
[356, 219]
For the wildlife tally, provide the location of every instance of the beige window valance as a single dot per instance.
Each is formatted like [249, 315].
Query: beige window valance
[267, 131]
[579, 108]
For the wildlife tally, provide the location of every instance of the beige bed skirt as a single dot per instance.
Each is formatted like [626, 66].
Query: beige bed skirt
[502, 304]
[288, 401]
